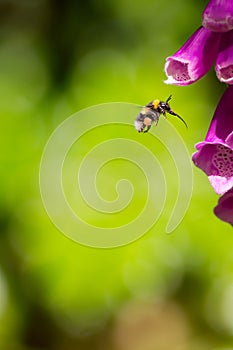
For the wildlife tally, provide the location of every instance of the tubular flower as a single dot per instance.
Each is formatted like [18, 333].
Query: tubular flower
[215, 155]
[224, 62]
[212, 42]
[194, 59]
[224, 208]
[218, 15]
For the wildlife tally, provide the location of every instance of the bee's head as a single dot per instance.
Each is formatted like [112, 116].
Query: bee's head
[163, 107]
[160, 106]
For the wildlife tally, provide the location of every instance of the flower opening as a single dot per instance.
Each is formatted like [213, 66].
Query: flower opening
[194, 59]
[218, 15]
[224, 62]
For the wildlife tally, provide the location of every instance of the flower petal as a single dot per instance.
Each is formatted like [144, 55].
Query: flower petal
[222, 123]
[193, 59]
[224, 208]
[216, 160]
[229, 140]
[215, 155]
[218, 15]
[221, 184]
[224, 62]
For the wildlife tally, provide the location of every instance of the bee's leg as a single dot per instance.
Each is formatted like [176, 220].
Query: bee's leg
[147, 129]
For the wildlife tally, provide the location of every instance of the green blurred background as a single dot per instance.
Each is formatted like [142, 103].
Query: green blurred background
[160, 292]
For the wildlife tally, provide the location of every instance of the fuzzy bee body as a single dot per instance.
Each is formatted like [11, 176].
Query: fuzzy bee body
[145, 119]
[151, 113]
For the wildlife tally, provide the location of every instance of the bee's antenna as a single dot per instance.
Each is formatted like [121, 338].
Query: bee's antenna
[169, 98]
[178, 116]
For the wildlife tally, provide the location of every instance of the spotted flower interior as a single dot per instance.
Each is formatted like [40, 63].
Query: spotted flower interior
[223, 161]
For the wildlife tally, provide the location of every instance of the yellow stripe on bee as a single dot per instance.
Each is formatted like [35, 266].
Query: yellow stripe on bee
[156, 103]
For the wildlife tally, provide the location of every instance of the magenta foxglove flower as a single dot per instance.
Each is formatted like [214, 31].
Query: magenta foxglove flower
[224, 208]
[218, 15]
[194, 59]
[215, 155]
[224, 62]
[212, 42]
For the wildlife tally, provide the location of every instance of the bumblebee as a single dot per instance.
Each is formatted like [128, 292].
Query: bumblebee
[151, 113]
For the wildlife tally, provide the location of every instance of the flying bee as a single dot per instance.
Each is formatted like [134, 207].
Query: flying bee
[151, 113]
